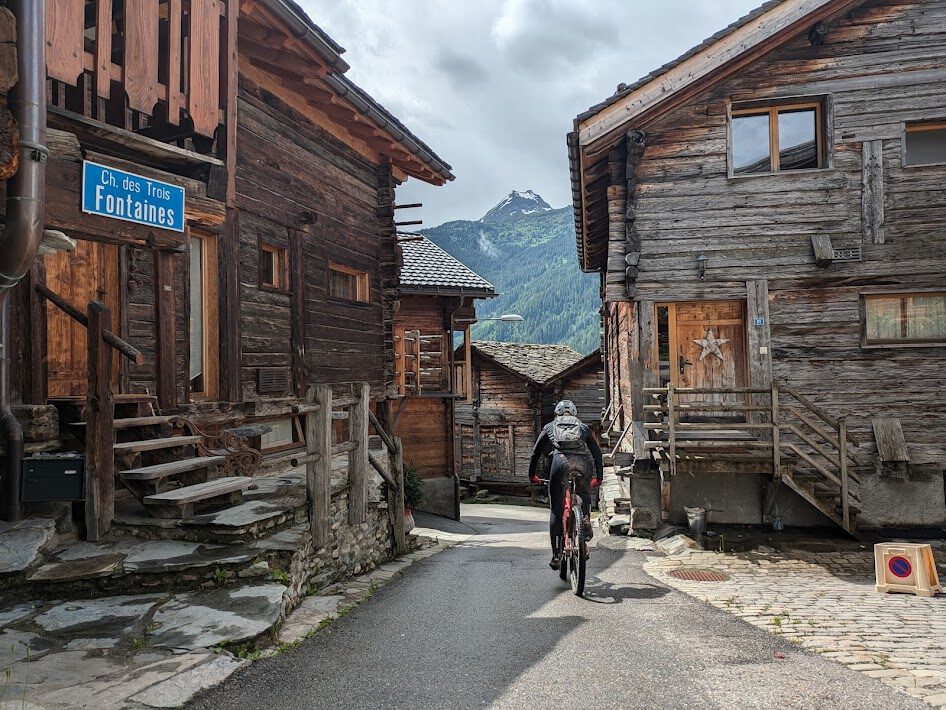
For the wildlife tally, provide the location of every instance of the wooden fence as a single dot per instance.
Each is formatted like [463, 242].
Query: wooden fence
[322, 407]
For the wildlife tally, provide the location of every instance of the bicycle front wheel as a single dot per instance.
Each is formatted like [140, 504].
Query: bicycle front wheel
[579, 553]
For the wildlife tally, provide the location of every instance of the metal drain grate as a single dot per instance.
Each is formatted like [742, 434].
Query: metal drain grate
[698, 575]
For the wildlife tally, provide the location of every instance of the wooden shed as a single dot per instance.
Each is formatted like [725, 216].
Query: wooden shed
[436, 307]
[766, 213]
[514, 385]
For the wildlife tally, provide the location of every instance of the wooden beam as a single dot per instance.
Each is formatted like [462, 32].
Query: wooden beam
[100, 432]
[166, 336]
[318, 434]
[358, 457]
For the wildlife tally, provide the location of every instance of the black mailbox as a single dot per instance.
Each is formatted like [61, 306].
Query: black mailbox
[51, 477]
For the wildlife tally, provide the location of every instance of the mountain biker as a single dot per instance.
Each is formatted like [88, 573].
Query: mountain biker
[573, 447]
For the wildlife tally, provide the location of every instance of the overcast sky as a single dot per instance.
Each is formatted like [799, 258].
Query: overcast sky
[493, 85]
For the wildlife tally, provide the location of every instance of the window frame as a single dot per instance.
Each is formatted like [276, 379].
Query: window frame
[280, 256]
[865, 296]
[211, 316]
[772, 109]
[362, 284]
[297, 431]
[916, 127]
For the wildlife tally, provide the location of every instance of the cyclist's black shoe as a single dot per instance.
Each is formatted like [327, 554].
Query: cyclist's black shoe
[556, 562]
[589, 530]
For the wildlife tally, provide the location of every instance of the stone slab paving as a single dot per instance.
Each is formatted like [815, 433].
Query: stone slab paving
[151, 650]
[826, 602]
[21, 543]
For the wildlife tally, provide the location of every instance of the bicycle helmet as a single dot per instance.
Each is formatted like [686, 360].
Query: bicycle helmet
[566, 407]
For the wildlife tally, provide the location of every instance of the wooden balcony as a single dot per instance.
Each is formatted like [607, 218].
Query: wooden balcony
[158, 68]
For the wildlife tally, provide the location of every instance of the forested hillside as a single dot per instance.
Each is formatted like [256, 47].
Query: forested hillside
[529, 256]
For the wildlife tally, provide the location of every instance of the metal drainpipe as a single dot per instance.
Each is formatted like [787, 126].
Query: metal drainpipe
[26, 207]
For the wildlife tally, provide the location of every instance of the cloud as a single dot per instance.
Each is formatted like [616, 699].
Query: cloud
[544, 37]
[461, 69]
[493, 85]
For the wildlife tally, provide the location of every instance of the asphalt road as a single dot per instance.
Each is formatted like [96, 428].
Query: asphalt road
[487, 624]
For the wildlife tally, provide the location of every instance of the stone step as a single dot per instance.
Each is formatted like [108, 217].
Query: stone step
[133, 422]
[165, 470]
[181, 502]
[169, 442]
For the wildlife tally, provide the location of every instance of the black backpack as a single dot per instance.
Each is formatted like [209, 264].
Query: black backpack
[568, 435]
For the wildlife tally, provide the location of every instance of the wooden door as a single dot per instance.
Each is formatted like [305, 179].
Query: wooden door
[496, 452]
[708, 348]
[90, 272]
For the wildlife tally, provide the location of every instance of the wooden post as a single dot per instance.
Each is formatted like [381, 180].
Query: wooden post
[396, 497]
[164, 304]
[358, 457]
[318, 435]
[100, 430]
[842, 465]
[417, 365]
[672, 426]
[776, 437]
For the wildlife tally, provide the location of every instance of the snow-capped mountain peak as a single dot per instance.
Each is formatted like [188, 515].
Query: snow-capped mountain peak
[516, 204]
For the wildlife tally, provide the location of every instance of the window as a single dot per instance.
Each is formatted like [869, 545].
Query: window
[924, 143]
[915, 318]
[273, 266]
[285, 434]
[777, 139]
[347, 283]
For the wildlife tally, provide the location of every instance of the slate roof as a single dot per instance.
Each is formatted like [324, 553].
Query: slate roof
[429, 269]
[627, 89]
[537, 363]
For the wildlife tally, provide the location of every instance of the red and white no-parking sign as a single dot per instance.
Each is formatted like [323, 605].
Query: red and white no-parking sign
[906, 568]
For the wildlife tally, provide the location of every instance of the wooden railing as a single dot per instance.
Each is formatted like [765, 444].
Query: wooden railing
[322, 407]
[154, 66]
[777, 420]
[99, 409]
[422, 368]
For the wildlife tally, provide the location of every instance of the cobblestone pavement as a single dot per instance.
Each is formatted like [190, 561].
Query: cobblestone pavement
[826, 602]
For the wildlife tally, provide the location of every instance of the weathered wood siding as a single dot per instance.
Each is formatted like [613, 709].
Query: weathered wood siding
[425, 424]
[585, 388]
[294, 180]
[880, 65]
[501, 400]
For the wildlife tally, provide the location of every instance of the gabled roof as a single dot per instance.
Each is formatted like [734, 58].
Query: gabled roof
[280, 37]
[428, 269]
[589, 360]
[634, 106]
[534, 362]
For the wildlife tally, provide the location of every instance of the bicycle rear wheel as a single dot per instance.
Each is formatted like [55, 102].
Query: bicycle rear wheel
[578, 556]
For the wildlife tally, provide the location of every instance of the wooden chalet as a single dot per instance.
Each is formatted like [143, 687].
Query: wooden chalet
[178, 348]
[766, 214]
[436, 305]
[514, 386]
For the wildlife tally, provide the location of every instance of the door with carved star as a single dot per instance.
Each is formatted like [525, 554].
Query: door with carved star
[708, 351]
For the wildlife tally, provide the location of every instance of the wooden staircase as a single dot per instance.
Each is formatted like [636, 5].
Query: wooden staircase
[169, 465]
[776, 431]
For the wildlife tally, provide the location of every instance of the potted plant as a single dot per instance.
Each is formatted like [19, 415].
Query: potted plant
[413, 494]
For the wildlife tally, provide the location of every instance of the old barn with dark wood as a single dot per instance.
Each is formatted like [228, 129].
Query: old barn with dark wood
[766, 213]
[247, 329]
[514, 386]
[436, 305]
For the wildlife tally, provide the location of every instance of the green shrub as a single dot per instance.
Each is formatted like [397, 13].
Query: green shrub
[413, 486]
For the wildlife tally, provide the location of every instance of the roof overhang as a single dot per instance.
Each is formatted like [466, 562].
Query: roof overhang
[277, 37]
[601, 128]
[412, 290]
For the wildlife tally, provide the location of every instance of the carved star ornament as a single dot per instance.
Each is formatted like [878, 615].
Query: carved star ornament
[710, 345]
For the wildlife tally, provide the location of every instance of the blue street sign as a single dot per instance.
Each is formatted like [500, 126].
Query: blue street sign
[759, 322]
[110, 192]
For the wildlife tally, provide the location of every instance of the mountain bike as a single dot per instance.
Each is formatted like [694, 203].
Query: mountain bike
[574, 546]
